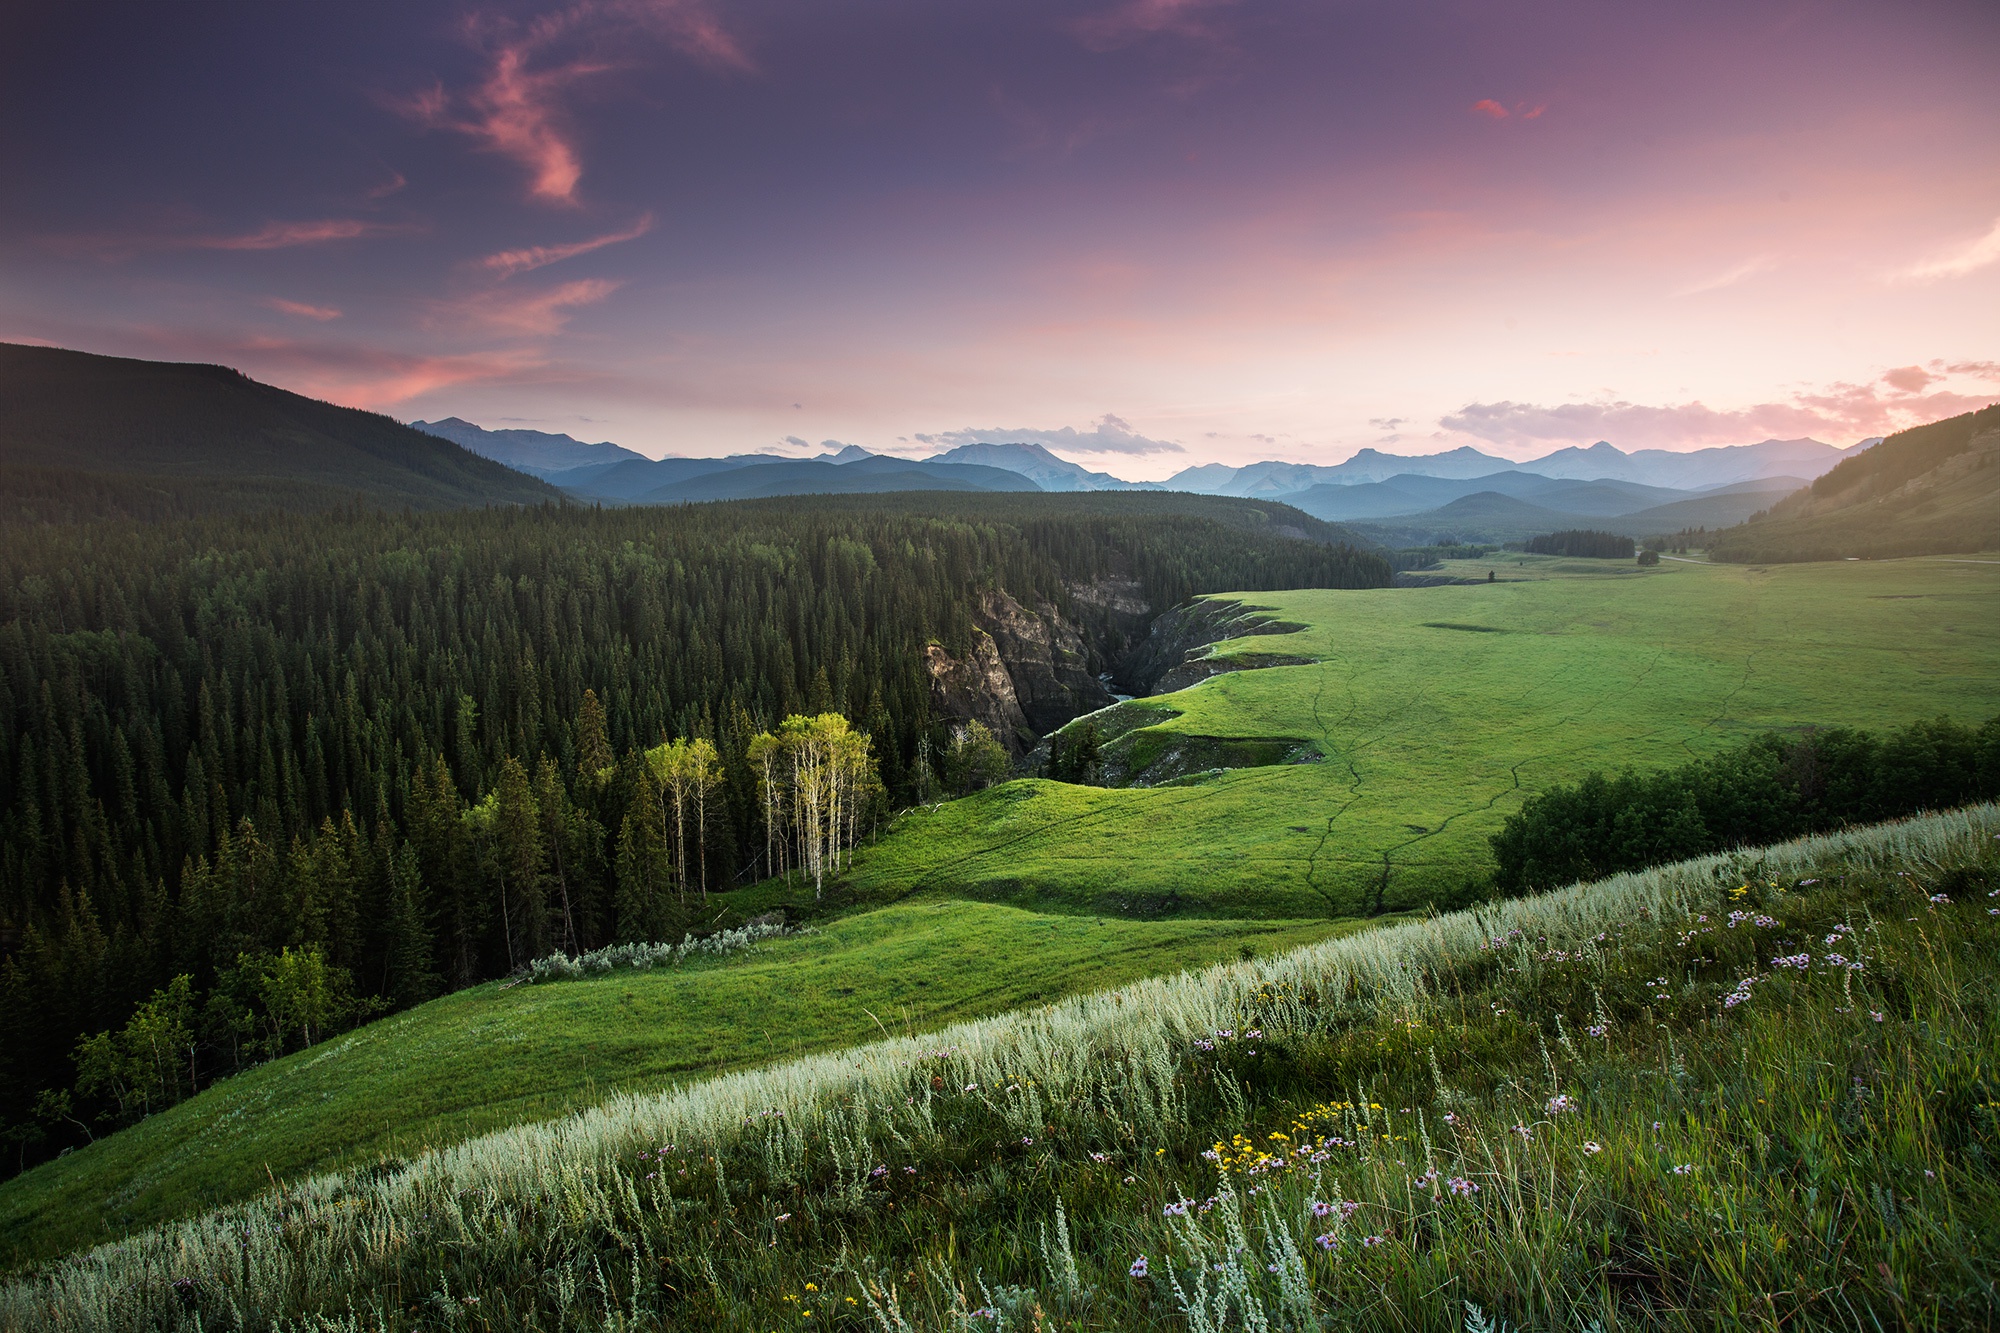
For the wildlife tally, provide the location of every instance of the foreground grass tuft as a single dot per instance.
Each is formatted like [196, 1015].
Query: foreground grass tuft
[1751, 1090]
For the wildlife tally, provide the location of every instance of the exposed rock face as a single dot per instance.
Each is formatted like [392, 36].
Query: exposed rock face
[1171, 657]
[976, 688]
[1031, 670]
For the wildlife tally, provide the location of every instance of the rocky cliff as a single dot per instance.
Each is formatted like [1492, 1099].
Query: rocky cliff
[1031, 669]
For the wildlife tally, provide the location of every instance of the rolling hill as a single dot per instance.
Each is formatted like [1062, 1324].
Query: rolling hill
[85, 435]
[538, 453]
[1923, 491]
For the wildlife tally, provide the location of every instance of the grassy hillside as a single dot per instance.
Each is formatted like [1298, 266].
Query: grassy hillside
[1745, 1091]
[487, 1058]
[1931, 489]
[92, 436]
[1438, 710]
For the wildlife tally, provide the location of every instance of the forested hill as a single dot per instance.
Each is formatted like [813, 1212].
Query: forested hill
[85, 436]
[226, 737]
[1924, 491]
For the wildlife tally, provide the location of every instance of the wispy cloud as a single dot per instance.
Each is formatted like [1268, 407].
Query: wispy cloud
[517, 109]
[1107, 435]
[519, 314]
[270, 236]
[319, 313]
[1489, 108]
[1729, 277]
[509, 262]
[1960, 260]
[1137, 19]
[1840, 411]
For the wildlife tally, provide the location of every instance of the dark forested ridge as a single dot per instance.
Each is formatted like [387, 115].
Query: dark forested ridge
[322, 764]
[84, 436]
[1927, 490]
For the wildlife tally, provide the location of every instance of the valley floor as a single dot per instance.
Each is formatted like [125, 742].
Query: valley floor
[1437, 711]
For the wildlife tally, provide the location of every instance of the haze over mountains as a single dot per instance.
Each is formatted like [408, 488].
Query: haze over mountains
[1463, 492]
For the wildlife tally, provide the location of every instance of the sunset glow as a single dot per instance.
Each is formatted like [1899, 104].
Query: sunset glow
[1151, 232]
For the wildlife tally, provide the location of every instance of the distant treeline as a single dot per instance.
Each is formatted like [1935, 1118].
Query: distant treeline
[1768, 790]
[323, 764]
[1581, 542]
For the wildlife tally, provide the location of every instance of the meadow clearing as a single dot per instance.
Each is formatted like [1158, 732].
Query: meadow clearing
[1437, 711]
[1750, 1090]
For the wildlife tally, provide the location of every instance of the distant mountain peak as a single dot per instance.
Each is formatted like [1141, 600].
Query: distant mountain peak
[853, 453]
[538, 453]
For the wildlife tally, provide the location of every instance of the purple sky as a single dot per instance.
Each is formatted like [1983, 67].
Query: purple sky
[1151, 232]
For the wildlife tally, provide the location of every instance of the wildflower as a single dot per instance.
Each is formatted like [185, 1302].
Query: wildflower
[878, 1173]
[1684, 1169]
[1322, 1209]
[1658, 1126]
[1592, 1147]
[1371, 1242]
[1175, 1209]
[1766, 922]
[1525, 1133]
[972, 1087]
[1462, 1187]
[1941, 899]
[909, 1170]
[1348, 1208]
[1561, 1103]
[1102, 1157]
[1027, 1142]
[782, 1217]
[1139, 1266]
[1875, 1014]
[812, 1286]
[1325, 1241]
[1597, 1029]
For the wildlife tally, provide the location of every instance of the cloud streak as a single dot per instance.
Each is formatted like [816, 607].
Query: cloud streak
[1842, 411]
[517, 110]
[520, 315]
[509, 262]
[319, 313]
[271, 236]
[1961, 260]
[1136, 20]
[1107, 435]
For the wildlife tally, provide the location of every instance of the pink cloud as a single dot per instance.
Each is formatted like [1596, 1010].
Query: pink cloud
[1840, 412]
[517, 112]
[1532, 112]
[517, 117]
[1486, 106]
[1961, 259]
[509, 262]
[1138, 19]
[520, 315]
[284, 235]
[303, 311]
[693, 31]
[1909, 379]
[271, 236]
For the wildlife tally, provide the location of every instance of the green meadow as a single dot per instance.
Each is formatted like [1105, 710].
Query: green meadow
[491, 1057]
[1437, 711]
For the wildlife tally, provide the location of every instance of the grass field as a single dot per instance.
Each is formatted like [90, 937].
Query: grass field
[486, 1058]
[1747, 1091]
[1438, 710]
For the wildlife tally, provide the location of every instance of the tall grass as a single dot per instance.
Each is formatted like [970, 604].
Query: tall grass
[1487, 1107]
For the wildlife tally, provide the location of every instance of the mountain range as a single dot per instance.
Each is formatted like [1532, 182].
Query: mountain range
[1463, 493]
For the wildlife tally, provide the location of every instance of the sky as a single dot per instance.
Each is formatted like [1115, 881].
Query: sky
[1147, 233]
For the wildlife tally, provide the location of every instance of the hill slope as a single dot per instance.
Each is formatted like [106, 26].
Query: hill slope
[1600, 1107]
[1927, 490]
[538, 453]
[83, 435]
[429, 1077]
